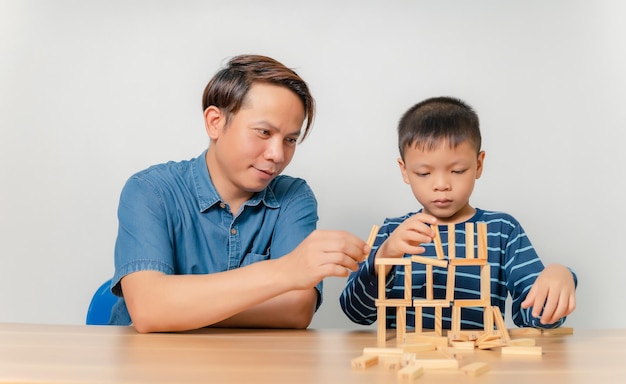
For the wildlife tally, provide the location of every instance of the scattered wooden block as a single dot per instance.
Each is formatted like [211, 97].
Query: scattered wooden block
[526, 331]
[418, 347]
[475, 369]
[463, 345]
[558, 331]
[521, 351]
[436, 364]
[364, 361]
[383, 351]
[390, 362]
[410, 372]
[522, 342]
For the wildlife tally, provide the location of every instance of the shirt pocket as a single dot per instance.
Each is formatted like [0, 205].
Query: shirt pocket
[252, 258]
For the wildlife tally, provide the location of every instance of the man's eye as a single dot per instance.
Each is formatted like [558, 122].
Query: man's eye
[291, 140]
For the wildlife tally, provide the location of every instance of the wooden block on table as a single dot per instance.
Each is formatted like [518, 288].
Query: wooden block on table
[364, 361]
[522, 342]
[431, 338]
[475, 369]
[410, 372]
[390, 362]
[383, 351]
[521, 351]
[436, 364]
[418, 347]
[463, 345]
[558, 331]
[526, 331]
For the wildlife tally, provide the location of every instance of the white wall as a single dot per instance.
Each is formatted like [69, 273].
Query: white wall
[91, 92]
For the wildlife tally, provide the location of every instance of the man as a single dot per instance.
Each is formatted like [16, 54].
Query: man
[224, 239]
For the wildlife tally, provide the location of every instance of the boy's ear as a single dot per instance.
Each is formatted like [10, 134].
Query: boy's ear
[405, 175]
[213, 121]
[479, 164]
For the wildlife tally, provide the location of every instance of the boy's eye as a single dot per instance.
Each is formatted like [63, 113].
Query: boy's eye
[422, 174]
[459, 171]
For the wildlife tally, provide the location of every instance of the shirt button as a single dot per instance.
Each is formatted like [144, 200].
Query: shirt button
[222, 205]
[233, 231]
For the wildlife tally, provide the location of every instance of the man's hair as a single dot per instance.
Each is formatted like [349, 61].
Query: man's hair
[227, 90]
[429, 123]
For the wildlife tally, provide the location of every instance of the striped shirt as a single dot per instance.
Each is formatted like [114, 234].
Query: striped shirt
[514, 267]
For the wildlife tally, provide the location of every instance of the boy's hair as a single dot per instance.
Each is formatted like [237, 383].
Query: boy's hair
[227, 90]
[428, 123]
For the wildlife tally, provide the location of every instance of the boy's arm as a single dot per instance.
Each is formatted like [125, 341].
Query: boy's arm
[555, 292]
[523, 268]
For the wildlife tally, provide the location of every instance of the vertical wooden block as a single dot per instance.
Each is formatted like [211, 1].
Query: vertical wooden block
[499, 320]
[469, 240]
[451, 242]
[381, 316]
[408, 282]
[400, 324]
[450, 283]
[437, 241]
[418, 320]
[488, 319]
[482, 240]
[456, 319]
[438, 321]
[429, 282]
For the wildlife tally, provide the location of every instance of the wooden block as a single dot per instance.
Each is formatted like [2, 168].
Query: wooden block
[490, 344]
[471, 303]
[450, 283]
[429, 282]
[526, 331]
[382, 351]
[499, 320]
[410, 372]
[393, 303]
[430, 261]
[456, 319]
[390, 362]
[485, 283]
[482, 240]
[451, 242]
[381, 327]
[437, 241]
[522, 342]
[463, 344]
[558, 331]
[436, 364]
[418, 347]
[400, 324]
[431, 338]
[431, 303]
[439, 320]
[364, 361]
[469, 240]
[372, 236]
[392, 261]
[521, 351]
[475, 369]
[468, 262]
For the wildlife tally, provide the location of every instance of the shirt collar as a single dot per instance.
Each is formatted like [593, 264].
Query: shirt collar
[207, 195]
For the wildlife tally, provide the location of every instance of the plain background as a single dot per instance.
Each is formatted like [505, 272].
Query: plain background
[93, 91]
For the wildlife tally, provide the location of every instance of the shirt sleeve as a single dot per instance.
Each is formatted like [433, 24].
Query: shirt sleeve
[297, 219]
[522, 267]
[144, 241]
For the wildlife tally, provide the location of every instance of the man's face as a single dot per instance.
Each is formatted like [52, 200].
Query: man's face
[258, 142]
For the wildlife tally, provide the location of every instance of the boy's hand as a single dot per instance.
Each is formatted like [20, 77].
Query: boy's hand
[409, 237]
[553, 292]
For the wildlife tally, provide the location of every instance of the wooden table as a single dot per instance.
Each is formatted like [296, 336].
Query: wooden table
[107, 354]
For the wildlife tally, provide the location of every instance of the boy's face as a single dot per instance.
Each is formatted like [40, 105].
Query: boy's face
[258, 143]
[443, 179]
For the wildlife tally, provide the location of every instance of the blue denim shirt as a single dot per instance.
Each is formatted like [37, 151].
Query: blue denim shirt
[172, 220]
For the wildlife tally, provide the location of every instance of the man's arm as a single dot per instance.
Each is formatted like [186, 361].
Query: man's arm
[158, 302]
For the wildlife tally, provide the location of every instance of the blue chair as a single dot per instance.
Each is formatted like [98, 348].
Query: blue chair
[101, 304]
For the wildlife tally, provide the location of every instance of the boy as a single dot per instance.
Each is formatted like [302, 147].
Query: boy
[224, 239]
[440, 158]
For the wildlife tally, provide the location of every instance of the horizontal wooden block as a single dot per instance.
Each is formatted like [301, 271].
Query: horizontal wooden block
[430, 261]
[463, 344]
[522, 342]
[436, 364]
[526, 332]
[475, 369]
[392, 261]
[471, 303]
[383, 351]
[521, 351]
[394, 303]
[364, 361]
[558, 331]
[467, 262]
[432, 303]
[410, 372]
[418, 347]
